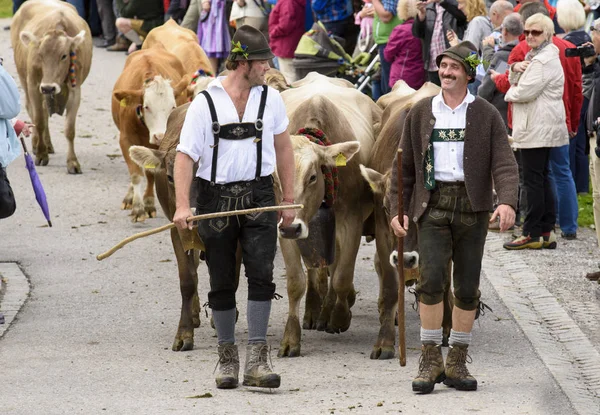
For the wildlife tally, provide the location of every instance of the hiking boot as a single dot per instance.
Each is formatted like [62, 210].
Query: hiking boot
[457, 374]
[549, 240]
[525, 242]
[431, 369]
[257, 372]
[229, 366]
[121, 45]
[569, 236]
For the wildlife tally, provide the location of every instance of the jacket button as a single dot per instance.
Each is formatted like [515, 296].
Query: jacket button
[432, 122]
[424, 204]
[415, 219]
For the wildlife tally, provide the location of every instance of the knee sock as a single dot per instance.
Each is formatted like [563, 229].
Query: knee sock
[258, 321]
[459, 337]
[133, 36]
[431, 336]
[225, 325]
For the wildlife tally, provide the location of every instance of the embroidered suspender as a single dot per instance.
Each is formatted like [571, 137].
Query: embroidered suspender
[237, 131]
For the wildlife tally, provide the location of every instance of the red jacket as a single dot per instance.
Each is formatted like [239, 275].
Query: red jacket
[286, 27]
[550, 9]
[573, 93]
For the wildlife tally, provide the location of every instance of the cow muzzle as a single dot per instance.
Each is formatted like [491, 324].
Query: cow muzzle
[50, 89]
[297, 230]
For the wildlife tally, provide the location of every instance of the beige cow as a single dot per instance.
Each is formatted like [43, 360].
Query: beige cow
[183, 43]
[152, 84]
[53, 54]
[350, 120]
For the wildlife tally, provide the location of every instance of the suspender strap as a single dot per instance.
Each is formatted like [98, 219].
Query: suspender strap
[216, 128]
[259, 130]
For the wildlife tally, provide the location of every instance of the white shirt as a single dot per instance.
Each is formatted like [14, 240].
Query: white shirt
[448, 156]
[236, 158]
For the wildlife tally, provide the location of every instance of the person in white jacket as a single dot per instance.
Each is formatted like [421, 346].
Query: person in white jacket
[539, 123]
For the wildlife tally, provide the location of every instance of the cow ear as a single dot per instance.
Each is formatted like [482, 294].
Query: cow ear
[338, 154]
[78, 39]
[182, 85]
[375, 179]
[28, 38]
[151, 160]
[127, 96]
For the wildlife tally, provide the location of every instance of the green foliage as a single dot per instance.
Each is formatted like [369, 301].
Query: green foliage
[586, 211]
[5, 8]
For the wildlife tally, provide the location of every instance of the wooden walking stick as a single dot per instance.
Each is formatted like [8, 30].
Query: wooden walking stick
[132, 238]
[401, 322]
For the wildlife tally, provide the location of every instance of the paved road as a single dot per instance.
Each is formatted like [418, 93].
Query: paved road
[95, 337]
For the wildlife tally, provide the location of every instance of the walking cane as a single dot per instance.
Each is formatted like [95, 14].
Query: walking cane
[205, 216]
[401, 322]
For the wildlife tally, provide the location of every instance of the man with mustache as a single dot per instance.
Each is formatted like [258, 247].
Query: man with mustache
[454, 150]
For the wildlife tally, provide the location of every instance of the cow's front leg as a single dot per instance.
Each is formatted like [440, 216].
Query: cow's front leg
[149, 196]
[73, 101]
[296, 285]
[133, 198]
[187, 265]
[344, 274]
[327, 305]
[387, 302]
[39, 117]
[315, 294]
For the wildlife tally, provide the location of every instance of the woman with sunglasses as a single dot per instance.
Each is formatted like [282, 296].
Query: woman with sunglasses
[539, 124]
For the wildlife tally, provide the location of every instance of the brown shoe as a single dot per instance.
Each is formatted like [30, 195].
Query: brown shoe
[121, 45]
[431, 369]
[593, 276]
[457, 374]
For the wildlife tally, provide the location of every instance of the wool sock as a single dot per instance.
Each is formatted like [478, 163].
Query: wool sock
[460, 338]
[431, 336]
[258, 321]
[133, 36]
[225, 325]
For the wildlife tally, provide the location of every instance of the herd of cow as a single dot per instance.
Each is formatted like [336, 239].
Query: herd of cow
[53, 54]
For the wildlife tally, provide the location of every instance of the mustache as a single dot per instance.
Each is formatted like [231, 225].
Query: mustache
[449, 77]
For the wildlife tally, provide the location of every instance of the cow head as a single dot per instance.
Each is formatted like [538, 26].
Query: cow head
[54, 54]
[154, 101]
[309, 187]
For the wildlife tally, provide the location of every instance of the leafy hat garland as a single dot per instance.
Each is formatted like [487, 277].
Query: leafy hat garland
[239, 49]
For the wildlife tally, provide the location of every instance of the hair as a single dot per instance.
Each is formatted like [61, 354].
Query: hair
[529, 9]
[544, 22]
[474, 8]
[501, 7]
[513, 24]
[570, 14]
[407, 9]
[231, 65]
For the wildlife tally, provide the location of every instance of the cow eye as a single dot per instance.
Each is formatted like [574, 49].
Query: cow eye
[146, 108]
[170, 178]
[63, 57]
[312, 178]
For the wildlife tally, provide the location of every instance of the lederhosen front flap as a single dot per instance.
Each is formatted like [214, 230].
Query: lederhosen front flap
[237, 131]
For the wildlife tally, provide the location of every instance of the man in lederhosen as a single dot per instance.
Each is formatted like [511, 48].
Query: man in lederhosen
[237, 131]
[454, 148]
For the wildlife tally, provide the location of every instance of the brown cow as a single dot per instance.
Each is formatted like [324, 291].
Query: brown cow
[183, 43]
[53, 54]
[151, 85]
[349, 119]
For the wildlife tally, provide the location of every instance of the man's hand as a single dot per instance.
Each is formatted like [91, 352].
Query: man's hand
[206, 5]
[489, 41]
[452, 38]
[572, 134]
[399, 231]
[507, 217]
[286, 216]
[590, 59]
[520, 66]
[180, 218]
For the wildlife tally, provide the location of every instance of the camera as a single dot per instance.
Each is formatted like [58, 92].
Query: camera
[583, 51]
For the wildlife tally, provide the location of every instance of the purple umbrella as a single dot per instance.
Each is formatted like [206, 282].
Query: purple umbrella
[40, 195]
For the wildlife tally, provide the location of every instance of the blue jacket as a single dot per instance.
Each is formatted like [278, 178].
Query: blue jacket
[9, 108]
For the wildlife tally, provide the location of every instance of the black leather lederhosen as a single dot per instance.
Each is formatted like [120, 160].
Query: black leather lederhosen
[257, 234]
